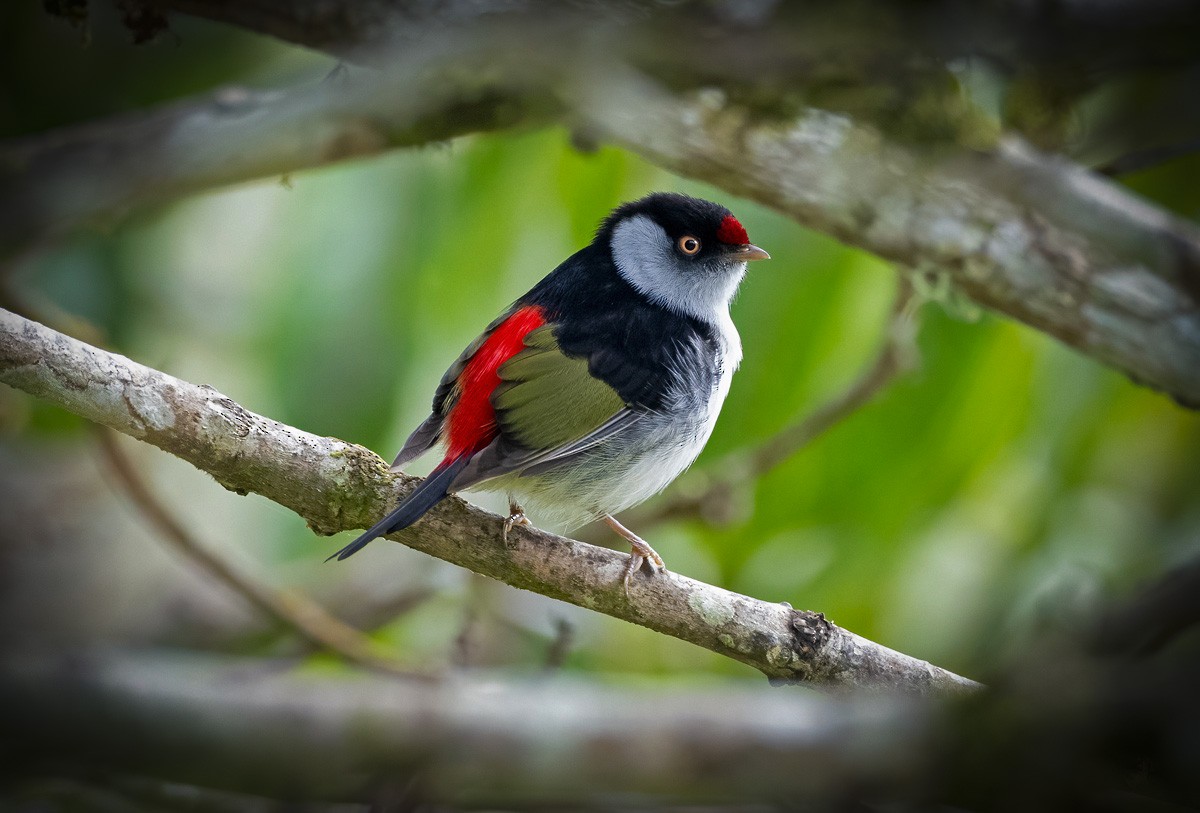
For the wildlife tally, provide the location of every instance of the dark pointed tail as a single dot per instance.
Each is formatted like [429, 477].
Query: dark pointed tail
[429, 493]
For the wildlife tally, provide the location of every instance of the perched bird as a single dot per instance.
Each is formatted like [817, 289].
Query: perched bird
[601, 385]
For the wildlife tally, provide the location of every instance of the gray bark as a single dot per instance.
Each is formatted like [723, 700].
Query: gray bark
[337, 486]
[1027, 234]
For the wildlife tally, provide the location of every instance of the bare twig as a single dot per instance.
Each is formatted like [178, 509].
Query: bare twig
[896, 355]
[292, 608]
[335, 486]
[737, 470]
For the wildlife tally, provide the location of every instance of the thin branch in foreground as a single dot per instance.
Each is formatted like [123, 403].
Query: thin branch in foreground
[715, 501]
[292, 608]
[337, 486]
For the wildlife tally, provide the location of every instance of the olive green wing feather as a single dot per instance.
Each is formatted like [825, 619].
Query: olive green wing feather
[547, 399]
[549, 407]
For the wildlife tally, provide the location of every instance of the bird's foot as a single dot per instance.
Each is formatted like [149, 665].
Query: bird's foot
[516, 516]
[642, 553]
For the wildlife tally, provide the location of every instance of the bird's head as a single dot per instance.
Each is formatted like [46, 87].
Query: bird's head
[684, 253]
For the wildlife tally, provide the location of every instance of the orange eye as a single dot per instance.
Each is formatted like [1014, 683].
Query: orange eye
[689, 245]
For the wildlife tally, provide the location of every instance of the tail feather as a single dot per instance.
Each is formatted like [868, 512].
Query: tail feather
[430, 492]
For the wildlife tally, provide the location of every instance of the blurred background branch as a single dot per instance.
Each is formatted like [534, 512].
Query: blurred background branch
[265, 730]
[253, 727]
[100, 173]
[927, 184]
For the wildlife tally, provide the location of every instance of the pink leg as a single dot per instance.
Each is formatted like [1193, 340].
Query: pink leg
[642, 552]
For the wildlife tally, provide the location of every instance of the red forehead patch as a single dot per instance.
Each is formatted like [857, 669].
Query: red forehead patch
[732, 232]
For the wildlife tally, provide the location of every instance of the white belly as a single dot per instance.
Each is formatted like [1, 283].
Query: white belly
[632, 467]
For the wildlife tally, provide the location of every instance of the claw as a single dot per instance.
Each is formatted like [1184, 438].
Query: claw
[636, 560]
[516, 516]
[641, 554]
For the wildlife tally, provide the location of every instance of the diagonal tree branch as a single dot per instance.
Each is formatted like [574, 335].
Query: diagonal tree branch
[337, 486]
[101, 172]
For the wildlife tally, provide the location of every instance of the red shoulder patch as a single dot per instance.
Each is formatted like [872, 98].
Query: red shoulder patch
[471, 423]
[732, 232]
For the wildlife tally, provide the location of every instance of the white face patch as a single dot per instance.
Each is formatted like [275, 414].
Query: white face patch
[646, 258]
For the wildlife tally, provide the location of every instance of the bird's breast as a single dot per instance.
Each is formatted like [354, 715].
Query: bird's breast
[635, 465]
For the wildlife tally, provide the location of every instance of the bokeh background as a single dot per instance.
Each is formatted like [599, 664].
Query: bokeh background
[1005, 485]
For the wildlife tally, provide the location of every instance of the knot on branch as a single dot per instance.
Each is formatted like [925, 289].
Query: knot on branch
[810, 631]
